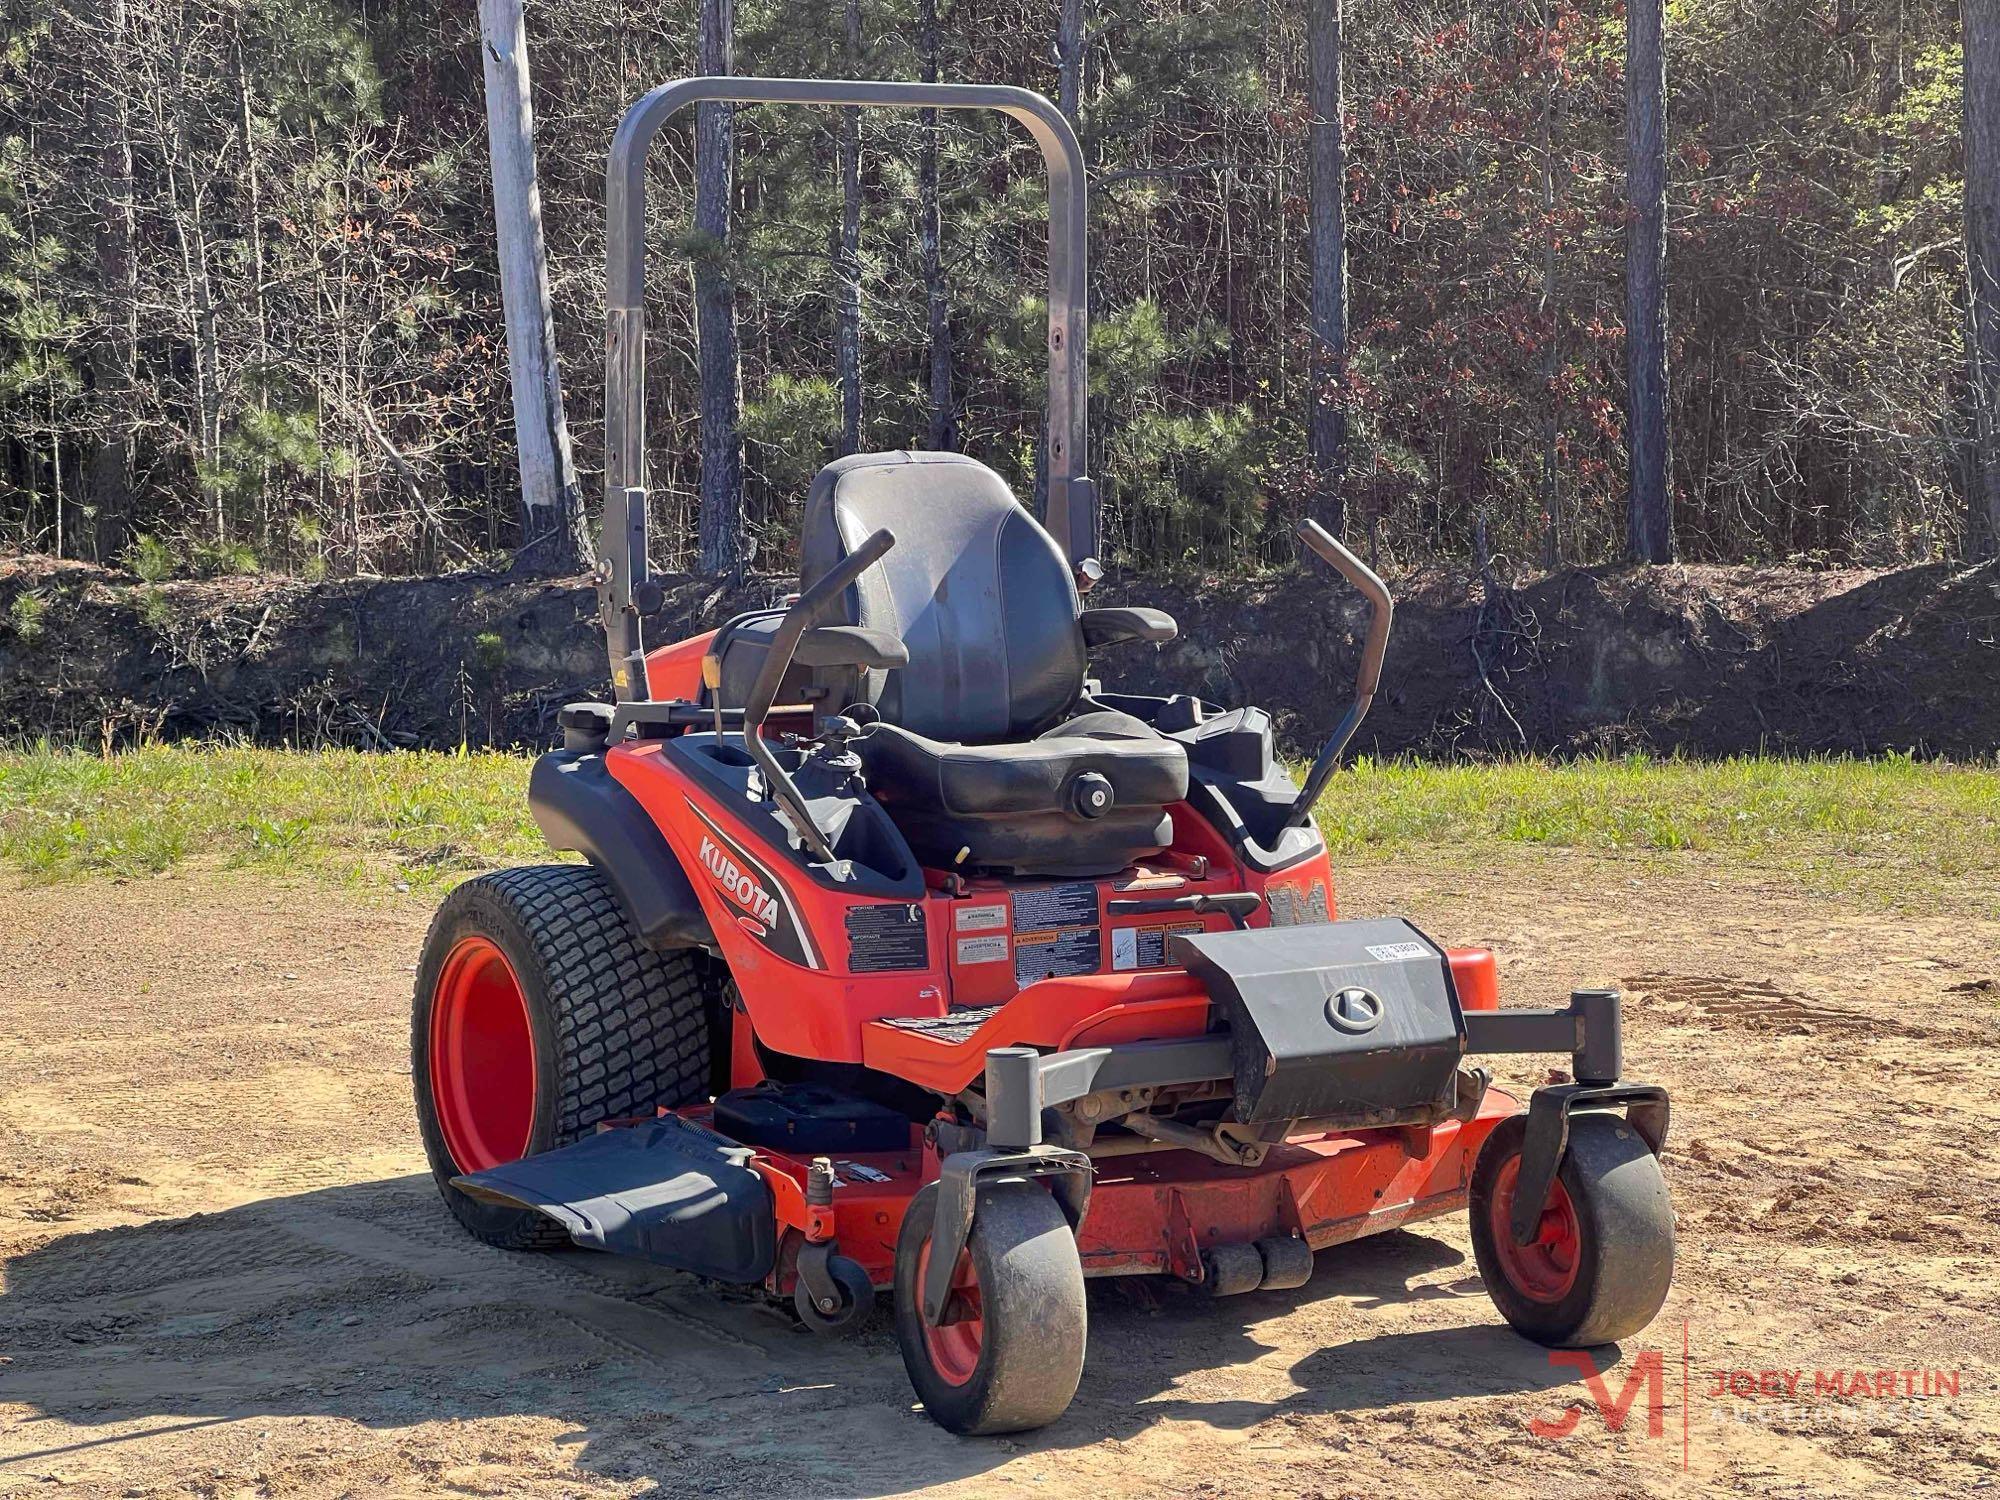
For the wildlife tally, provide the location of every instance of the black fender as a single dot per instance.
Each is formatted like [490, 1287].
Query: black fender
[579, 805]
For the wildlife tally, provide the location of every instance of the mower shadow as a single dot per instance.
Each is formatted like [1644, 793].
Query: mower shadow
[365, 1302]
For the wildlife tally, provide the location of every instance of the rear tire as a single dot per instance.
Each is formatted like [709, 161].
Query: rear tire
[1602, 1265]
[1013, 1360]
[538, 1013]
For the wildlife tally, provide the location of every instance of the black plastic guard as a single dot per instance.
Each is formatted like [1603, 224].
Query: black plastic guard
[1355, 1020]
[665, 1191]
[579, 805]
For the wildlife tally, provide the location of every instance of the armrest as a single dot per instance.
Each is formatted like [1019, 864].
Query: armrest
[1114, 627]
[850, 646]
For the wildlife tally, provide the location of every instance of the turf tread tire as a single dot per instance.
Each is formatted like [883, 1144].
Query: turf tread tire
[1031, 1284]
[1627, 1223]
[620, 1028]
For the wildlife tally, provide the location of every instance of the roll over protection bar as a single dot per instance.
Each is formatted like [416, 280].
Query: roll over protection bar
[623, 588]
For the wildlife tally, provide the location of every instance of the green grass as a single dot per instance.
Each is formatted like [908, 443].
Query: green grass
[1896, 829]
[421, 818]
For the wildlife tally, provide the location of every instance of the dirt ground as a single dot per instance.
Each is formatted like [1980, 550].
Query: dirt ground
[225, 1274]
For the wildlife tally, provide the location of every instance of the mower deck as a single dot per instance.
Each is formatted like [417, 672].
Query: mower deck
[1150, 1214]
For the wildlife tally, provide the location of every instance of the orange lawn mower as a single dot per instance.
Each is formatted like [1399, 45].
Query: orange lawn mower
[906, 958]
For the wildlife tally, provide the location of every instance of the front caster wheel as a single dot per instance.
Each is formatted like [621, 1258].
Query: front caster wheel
[1603, 1258]
[1009, 1351]
[853, 1299]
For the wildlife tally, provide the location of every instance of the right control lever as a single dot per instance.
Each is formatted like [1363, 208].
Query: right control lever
[1367, 678]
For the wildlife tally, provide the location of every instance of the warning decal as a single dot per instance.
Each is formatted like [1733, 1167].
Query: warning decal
[979, 918]
[983, 950]
[1145, 947]
[882, 938]
[1056, 954]
[1073, 905]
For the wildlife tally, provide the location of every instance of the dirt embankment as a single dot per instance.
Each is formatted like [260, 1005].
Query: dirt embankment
[1703, 659]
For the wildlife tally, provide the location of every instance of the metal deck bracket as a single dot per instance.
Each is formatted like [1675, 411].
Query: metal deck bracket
[1547, 1138]
[1591, 1030]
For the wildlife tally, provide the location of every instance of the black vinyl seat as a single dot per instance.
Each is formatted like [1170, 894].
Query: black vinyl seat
[987, 753]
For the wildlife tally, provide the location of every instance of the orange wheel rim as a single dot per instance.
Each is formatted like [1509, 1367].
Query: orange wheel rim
[482, 1057]
[955, 1343]
[1544, 1269]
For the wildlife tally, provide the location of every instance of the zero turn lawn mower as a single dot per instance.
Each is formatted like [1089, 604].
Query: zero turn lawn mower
[907, 958]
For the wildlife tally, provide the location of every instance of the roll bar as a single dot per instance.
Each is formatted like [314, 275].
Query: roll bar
[1072, 497]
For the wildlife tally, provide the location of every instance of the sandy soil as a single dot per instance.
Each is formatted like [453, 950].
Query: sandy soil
[224, 1274]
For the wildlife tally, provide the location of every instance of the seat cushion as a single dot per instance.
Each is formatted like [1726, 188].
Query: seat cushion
[1011, 807]
[1032, 776]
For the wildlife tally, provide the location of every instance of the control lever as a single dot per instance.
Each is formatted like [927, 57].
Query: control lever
[812, 606]
[1381, 612]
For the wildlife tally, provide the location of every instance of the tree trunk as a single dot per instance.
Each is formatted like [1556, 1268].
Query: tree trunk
[847, 254]
[1069, 58]
[720, 528]
[1651, 529]
[555, 536]
[114, 353]
[1326, 426]
[254, 181]
[930, 231]
[1981, 20]
[1069, 50]
[1552, 537]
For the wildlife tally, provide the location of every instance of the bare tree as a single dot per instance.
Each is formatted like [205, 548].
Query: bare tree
[1551, 497]
[847, 253]
[937, 302]
[1650, 522]
[114, 353]
[721, 534]
[554, 535]
[1326, 428]
[1981, 22]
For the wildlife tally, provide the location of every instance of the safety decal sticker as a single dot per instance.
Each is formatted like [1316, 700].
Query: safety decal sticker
[979, 918]
[888, 936]
[1298, 905]
[983, 950]
[1040, 907]
[1145, 947]
[1057, 954]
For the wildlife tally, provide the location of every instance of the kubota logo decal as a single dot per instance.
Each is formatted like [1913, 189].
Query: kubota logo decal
[740, 884]
[765, 910]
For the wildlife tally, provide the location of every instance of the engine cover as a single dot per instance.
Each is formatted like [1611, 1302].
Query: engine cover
[1342, 1020]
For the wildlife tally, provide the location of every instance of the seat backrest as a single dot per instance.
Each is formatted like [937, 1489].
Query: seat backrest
[977, 590]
